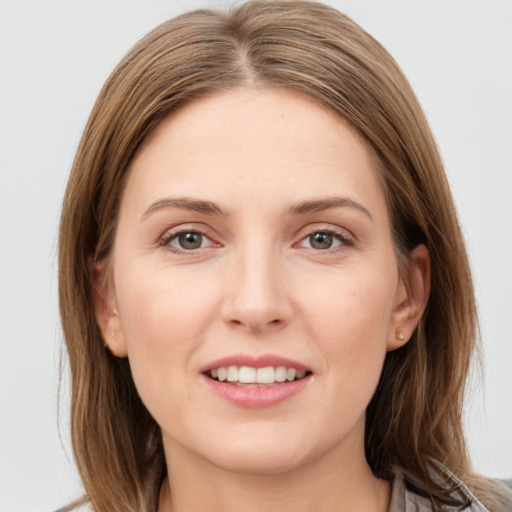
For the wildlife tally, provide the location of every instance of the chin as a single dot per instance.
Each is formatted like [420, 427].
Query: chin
[260, 464]
[262, 458]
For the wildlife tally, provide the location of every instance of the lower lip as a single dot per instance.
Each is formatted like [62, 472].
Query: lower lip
[256, 397]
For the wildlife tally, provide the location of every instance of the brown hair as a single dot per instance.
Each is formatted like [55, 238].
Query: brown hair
[416, 413]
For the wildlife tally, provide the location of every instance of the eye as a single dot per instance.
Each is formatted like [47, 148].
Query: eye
[325, 239]
[186, 240]
[321, 240]
[189, 241]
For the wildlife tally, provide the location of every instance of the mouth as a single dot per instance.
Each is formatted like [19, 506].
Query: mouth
[256, 382]
[249, 376]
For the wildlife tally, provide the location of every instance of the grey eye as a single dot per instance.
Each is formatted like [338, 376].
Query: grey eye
[190, 240]
[321, 240]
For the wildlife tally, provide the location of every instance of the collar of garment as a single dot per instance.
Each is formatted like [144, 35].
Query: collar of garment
[407, 497]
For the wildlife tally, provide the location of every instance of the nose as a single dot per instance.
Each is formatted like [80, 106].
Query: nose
[256, 298]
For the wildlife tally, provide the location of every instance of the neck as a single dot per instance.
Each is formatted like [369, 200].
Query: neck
[335, 482]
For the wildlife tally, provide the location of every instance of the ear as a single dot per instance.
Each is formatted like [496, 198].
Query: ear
[105, 308]
[411, 298]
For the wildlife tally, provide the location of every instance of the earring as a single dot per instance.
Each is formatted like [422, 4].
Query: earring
[115, 313]
[399, 333]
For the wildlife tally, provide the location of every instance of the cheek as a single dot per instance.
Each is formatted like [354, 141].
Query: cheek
[165, 315]
[350, 319]
[353, 306]
[163, 306]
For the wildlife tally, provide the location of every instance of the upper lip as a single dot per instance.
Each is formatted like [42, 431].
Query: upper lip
[254, 362]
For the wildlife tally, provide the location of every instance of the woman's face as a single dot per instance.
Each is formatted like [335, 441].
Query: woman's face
[253, 233]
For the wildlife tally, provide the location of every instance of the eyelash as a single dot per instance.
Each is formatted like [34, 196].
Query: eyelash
[344, 237]
[168, 237]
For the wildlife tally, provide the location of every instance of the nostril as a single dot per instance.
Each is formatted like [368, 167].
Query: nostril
[239, 322]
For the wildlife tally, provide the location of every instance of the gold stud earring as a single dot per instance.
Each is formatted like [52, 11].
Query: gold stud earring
[399, 333]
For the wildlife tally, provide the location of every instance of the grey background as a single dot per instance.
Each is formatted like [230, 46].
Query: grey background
[54, 57]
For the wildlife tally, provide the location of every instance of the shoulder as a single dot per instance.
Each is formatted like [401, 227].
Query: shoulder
[502, 493]
[408, 497]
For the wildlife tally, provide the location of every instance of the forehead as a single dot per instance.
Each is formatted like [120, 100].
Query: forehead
[254, 143]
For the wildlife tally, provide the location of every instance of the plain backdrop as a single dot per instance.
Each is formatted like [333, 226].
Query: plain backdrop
[54, 57]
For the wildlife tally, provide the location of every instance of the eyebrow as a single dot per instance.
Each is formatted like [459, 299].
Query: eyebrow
[325, 204]
[184, 203]
[210, 208]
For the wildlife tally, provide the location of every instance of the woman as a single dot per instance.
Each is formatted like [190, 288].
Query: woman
[264, 290]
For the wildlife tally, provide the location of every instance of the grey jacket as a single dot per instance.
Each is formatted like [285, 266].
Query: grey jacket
[406, 497]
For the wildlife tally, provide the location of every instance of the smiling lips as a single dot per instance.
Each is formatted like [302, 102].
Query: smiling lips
[256, 382]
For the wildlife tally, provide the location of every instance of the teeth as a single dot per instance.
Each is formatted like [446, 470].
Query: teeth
[250, 375]
[232, 374]
[247, 375]
[280, 374]
[266, 375]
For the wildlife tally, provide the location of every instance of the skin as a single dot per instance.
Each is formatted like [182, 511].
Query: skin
[258, 285]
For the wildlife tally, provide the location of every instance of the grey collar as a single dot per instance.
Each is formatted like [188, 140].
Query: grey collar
[406, 497]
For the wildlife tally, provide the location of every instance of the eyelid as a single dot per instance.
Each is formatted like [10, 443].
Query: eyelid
[346, 237]
[171, 233]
